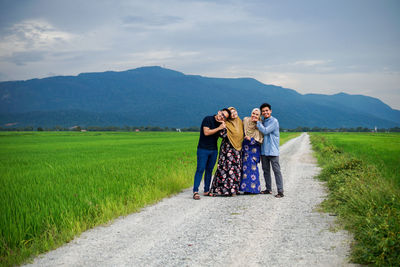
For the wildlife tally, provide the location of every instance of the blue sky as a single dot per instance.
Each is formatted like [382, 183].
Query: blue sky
[311, 46]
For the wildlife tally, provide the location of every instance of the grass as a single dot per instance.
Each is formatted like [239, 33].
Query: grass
[379, 149]
[55, 185]
[362, 174]
[286, 136]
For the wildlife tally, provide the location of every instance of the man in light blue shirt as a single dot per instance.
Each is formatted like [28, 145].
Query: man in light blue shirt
[269, 127]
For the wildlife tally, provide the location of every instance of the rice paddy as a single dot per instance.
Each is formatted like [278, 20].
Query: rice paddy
[55, 185]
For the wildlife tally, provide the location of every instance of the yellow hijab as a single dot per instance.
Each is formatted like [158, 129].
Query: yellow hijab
[234, 128]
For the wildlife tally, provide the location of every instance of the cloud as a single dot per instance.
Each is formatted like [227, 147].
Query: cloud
[317, 46]
[381, 85]
[32, 39]
[310, 63]
[21, 58]
[3, 76]
[39, 33]
[155, 20]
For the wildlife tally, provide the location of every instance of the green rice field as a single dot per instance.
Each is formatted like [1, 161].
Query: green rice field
[379, 149]
[362, 171]
[55, 185]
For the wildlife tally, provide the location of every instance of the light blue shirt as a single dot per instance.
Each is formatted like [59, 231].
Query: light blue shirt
[270, 129]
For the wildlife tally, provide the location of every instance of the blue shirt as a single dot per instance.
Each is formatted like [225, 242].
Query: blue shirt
[270, 129]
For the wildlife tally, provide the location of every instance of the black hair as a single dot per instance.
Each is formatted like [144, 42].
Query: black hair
[227, 110]
[265, 105]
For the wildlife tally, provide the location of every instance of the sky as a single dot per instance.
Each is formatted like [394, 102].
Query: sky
[311, 46]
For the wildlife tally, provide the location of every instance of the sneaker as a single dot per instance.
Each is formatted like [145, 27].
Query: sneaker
[279, 195]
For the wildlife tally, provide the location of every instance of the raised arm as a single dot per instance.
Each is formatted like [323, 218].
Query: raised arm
[270, 128]
[207, 131]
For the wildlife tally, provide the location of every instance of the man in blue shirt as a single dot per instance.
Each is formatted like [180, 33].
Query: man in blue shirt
[269, 127]
[207, 150]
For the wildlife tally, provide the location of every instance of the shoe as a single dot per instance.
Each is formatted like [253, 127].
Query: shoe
[266, 192]
[196, 196]
[279, 195]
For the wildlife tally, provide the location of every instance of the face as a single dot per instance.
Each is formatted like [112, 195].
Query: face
[255, 114]
[234, 114]
[222, 115]
[266, 112]
[225, 115]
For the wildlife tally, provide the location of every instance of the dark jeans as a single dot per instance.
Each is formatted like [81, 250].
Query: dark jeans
[205, 162]
[274, 161]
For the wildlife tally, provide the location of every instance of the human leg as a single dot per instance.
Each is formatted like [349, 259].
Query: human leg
[277, 172]
[212, 158]
[202, 157]
[265, 163]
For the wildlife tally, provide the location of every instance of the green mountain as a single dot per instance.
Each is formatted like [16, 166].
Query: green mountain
[162, 97]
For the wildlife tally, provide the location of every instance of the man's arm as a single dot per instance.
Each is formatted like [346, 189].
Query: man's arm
[207, 131]
[266, 130]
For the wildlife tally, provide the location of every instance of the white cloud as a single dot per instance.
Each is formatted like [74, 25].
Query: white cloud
[33, 35]
[382, 85]
[310, 63]
[310, 48]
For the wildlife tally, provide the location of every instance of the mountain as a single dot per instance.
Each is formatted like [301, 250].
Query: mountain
[162, 97]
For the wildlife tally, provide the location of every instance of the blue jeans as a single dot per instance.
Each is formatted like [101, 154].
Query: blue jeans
[205, 162]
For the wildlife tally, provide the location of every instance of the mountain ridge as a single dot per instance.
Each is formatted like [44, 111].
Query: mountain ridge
[163, 97]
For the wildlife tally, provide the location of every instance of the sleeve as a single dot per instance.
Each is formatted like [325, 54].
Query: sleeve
[206, 123]
[270, 128]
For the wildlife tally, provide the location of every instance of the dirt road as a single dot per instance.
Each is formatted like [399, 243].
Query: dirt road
[257, 230]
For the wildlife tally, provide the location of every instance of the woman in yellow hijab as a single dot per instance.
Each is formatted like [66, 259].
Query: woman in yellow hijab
[228, 175]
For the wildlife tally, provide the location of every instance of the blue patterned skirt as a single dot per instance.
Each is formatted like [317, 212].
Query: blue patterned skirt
[250, 182]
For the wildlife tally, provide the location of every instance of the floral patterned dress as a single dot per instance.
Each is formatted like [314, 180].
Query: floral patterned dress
[251, 157]
[227, 177]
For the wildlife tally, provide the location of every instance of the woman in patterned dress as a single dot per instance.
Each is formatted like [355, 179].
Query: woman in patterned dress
[228, 174]
[250, 183]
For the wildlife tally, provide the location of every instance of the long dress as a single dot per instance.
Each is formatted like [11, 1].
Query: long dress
[250, 182]
[228, 174]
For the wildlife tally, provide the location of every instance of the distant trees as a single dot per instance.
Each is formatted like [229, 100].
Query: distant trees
[191, 129]
[148, 128]
[342, 129]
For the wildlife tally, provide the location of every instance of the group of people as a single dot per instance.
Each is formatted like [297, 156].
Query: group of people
[244, 144]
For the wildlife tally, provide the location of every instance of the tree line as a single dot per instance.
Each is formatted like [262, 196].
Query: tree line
[186, 129]
[342, 129]
[104, 129]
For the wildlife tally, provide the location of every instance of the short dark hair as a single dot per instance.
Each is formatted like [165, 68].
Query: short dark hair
[264, 105]
[227, 110]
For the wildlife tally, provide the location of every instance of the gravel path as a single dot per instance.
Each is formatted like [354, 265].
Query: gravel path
[257, 230]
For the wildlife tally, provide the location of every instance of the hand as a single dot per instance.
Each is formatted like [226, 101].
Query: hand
[255, 119]
[222, 126]
[248, 138]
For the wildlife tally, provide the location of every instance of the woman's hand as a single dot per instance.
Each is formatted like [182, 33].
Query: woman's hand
[222, 126]
[247, 138]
